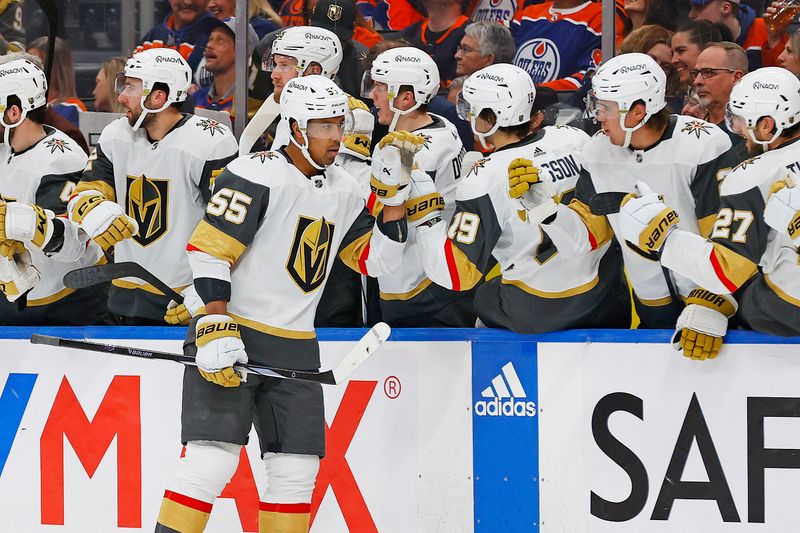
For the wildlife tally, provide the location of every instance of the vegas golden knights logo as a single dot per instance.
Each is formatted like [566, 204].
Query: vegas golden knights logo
[311, 248]
[148, 201]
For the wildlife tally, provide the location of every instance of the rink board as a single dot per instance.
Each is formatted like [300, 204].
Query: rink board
[443, 431]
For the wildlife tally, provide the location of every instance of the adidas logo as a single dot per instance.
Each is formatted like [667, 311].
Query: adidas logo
[538, 152]
[503, 396]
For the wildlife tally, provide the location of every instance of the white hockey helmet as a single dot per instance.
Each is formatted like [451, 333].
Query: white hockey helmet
[625, 80]
[766, 92]
[25, 80]
[157, 65]
[313, 97]
[308, 44]
[403, 66]
[506, 90]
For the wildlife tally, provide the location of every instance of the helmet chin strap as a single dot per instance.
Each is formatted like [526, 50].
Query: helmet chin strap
[304, 150]
[482, 136]
[146, 110]
[9, 127]
[629, 131]
[764, 144]
[398, 113]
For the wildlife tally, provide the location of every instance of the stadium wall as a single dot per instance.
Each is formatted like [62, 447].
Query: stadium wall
[442, 431]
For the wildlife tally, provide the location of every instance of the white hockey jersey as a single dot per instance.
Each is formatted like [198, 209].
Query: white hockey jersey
[279, 230]
[486, 224]
[164, 186]
[685, 165]
[46, 175]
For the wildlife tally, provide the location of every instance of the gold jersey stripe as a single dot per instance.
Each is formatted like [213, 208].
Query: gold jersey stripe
[272, 330]
[781, 293]
[736, 268]
[98, 185]
[658, 302]
[707, 224]
[351, 255]
[468, 273]
[552, 295]
[597, 225]
[182, 518]
[269, 522]
[122, 284]
[406, 295]
[215, 242]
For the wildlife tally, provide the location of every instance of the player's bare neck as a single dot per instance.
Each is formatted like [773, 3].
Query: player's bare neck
[164, 122]
[26, 135]
[414, 121]
[299, 160]
[783, 140]
[646, 137]
[501, 139]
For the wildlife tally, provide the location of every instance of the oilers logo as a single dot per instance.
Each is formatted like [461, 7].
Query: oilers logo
[540, 59]
[495, 11]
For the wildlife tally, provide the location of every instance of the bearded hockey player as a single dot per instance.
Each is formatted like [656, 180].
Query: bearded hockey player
[260, 258]
[39, 168]
[538, 290]
[152, 171]
[681, 156]
[743, 256]
[401, 82]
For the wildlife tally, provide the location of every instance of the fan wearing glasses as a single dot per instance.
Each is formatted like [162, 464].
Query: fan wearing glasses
[719, 66]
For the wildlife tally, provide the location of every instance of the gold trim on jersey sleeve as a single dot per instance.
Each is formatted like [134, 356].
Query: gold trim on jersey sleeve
[98, 185]
[216, 242]
[468, 273]
[780, 292]
[598, 226]
[731, 267]
[389, 296]
[351, 255]
[146, 287]
[272, 330]
[707, 224]
[658, 302]
[575, 291]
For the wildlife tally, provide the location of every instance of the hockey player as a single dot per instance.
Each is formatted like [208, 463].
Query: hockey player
[39, 168]
[153, 170]
[640, 140]
[538, 290]
[742, 256]
[260, 259]
[401, 82]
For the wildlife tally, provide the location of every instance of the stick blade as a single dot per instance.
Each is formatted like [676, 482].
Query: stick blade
[363, 350]
[44, 339]
[94, 275]
[606, 203]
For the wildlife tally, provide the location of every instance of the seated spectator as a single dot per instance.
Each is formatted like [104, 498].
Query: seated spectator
[12, 33]
[559, 41]
[654, 41]
[391, 15]
[687, 43]
[184, 29]
[763, 43]
[484, 43]
[105, 97]
[220, 61]
[261, 15]
[790, 57]
[501, 11]
[62, 97]
[439, 34]
[646, 12]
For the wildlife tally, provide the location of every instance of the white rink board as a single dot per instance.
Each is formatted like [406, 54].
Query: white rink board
[410, 456]
[574, 377]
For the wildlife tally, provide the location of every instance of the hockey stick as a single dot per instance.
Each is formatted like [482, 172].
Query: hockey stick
[94, 275]
[606, 203]
[368, 345]
[50, 11]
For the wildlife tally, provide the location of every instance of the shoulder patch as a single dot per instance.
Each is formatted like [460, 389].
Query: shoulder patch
[746, 163]
[480, 163]
[59, 145]
[209, 125]
[264, 156]
[696, 127]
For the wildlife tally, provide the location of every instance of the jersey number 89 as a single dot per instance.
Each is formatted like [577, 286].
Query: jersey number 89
[232, 203]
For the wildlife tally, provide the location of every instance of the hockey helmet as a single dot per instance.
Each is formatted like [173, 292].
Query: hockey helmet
[24, 79]
[506, 90]
[308, 44]
[767, 92]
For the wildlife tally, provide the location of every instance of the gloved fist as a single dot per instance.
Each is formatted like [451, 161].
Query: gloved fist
[392, 164]
[782, 212]
[17, 273]
[359, 143]
[532, 189]
[521, 176]
[702, 324]
[219, 347]
[27, 223]
[645, 220]
[181, 314]
[424, 202]
[103, 220]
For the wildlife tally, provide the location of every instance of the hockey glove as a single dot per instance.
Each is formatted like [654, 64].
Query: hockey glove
[645, 220]
[103, 220]
[219, 347]
[532, 189]
[359, 143]
[181, 314]
[424, 202]
[392, 164]
[783, 209]
[28, 223]
[17, 274]
[702, 324]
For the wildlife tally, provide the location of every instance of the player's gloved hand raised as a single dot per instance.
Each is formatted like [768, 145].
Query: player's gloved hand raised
[181, 314]
[17, 273]
[392, 163]
[702, 324]
[645, 220]
[531, 187]
[103, 220]
[424, 202]
[360, 141]
[782, 212]
[27, 223]
[219, 347]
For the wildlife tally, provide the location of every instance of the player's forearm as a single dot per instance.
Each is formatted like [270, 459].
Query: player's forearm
[217, 307]
[392, 213]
